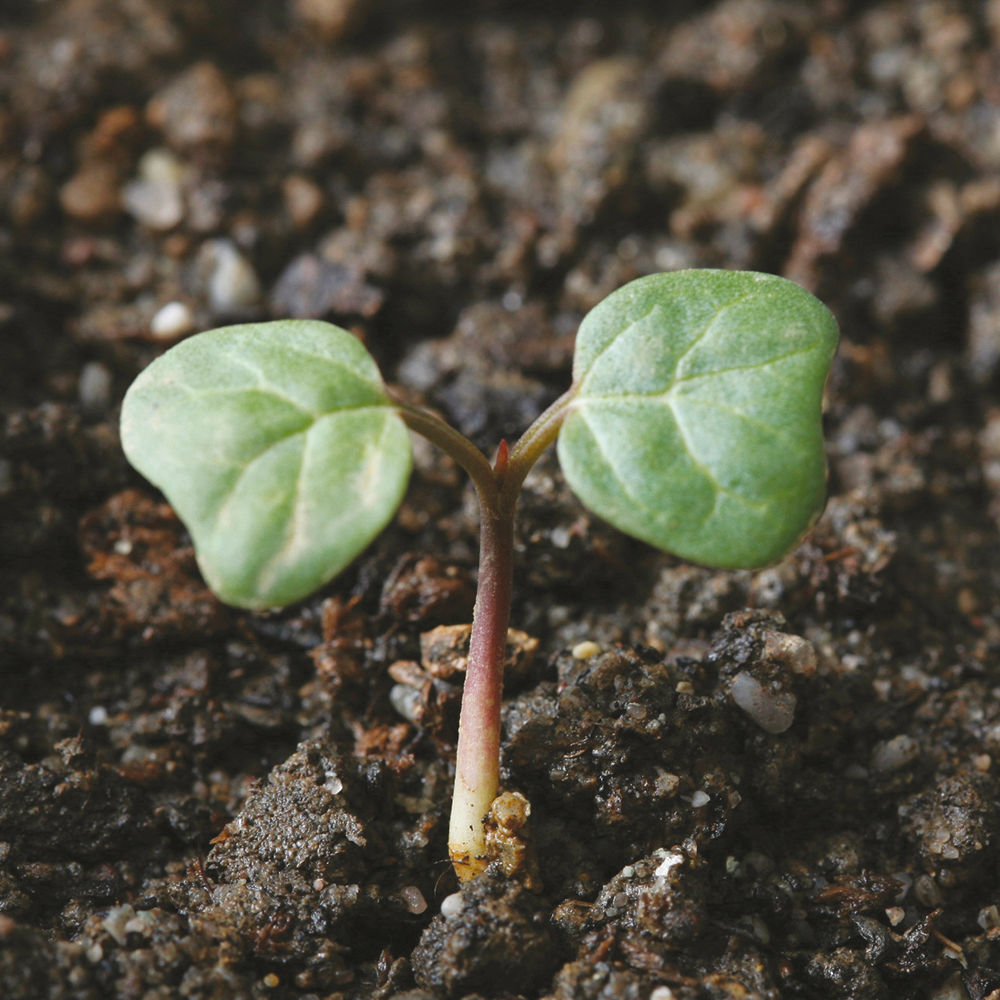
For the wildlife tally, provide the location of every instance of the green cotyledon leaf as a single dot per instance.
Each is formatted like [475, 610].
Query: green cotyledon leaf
[277, 446]
[696, 421]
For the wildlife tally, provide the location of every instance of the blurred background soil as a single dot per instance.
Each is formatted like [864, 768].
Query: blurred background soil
[743, 785]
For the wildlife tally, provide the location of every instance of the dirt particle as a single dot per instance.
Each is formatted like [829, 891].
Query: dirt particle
[91, 194]
[196, 112]
[471, 950]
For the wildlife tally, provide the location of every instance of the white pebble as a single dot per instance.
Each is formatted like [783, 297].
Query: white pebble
[773, 711]
[334, 785]
[406, 701]
[160, 166]
[232, 282]
[115, 920]
[561, 537]
[700, 799]
[172, 321]
[585, 650]
[98, 716]
[989, 917]
[155, 197]
[671, 859]
[662, 993]
[157, 206]
[894, 754]
[451, 906]
[94, 388]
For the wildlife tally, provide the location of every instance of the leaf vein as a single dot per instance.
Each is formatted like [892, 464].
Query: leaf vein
[621, 333]
[709, 324]
[706, 471]
[746, 368]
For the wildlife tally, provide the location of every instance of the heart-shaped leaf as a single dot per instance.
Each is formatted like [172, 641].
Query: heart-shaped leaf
[278, 448]
[696, 424]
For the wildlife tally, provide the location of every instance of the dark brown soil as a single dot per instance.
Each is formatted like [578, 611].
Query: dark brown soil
[743, 785]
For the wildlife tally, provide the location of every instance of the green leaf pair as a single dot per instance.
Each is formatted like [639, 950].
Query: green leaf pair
[693, 424]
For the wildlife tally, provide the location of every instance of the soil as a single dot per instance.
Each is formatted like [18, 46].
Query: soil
[742, 785]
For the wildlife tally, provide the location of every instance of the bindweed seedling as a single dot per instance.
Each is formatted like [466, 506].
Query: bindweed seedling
[692, 423]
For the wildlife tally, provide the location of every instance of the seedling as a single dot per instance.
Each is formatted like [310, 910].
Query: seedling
[692, 423]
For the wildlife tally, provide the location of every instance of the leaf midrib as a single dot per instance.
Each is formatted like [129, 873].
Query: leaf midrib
[274, 443]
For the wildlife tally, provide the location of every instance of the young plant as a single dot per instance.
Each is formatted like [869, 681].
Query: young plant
[692, 423]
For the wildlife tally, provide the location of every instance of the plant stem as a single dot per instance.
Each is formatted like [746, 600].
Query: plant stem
[477, 763]
[452, 443]
[543, 431]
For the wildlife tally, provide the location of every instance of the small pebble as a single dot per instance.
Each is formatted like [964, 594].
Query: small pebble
[156, 206]
[172, 321]
[271, 981]
[406, 701]
[232, 282]
[303, 200]
[451, 906]
[332, 20]
[334, 784]
[773, 711]
[196, 111]
[989, 917]
[666, 783]
[791, 651]
[94, 388]
[585, 650]
[671, 859]
[760, 929]
[98, 716]
[894, 754]
[155, 197]
[662, 993]
[115, 921]
[927, 892]
[700, 799]
[413, 898]
[91, 194]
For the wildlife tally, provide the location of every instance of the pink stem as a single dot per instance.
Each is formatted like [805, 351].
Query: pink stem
[477, 765]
